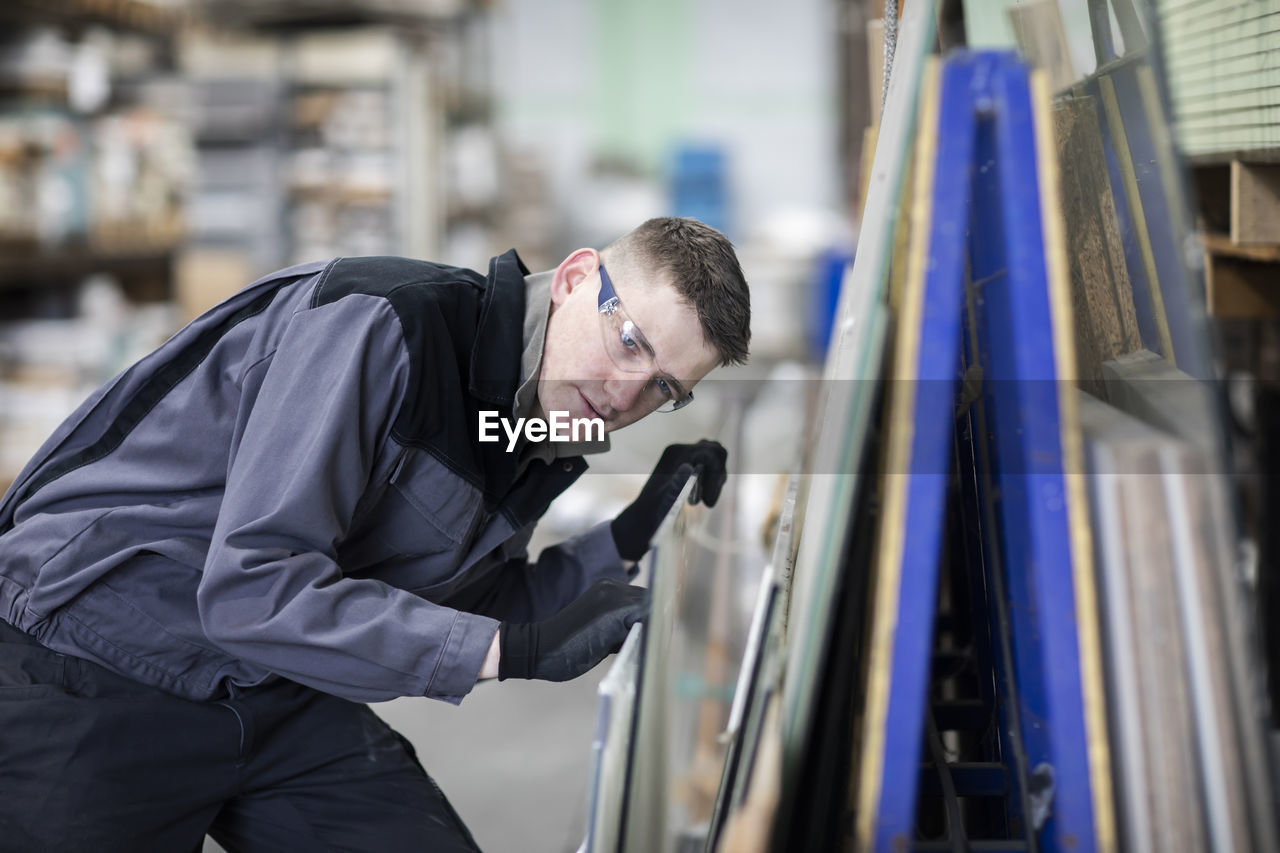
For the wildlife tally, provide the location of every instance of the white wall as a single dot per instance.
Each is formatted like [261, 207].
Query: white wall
[577, 78]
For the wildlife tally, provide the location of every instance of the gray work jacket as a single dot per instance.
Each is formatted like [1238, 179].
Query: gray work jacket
[292, 486]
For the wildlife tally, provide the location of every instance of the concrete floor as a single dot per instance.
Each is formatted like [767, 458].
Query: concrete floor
[513, 758]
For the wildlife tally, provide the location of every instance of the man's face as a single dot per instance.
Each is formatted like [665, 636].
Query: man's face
[578, 375]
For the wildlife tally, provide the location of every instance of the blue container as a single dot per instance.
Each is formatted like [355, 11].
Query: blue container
[699, 185]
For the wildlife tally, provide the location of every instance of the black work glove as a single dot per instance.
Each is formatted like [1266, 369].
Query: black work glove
[635, 525]
[577, 638]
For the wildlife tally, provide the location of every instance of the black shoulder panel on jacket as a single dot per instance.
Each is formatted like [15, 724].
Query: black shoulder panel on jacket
[464, 336]
[383, 276]
[439, 308]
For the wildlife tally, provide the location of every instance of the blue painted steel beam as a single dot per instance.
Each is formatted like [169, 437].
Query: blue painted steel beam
[932, 391]
[984, 211]
[1020, 380]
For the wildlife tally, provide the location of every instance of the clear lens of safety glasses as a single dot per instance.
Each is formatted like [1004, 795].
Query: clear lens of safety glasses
[630, 352]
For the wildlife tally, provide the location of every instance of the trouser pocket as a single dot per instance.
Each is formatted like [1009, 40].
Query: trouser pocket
[28, 669]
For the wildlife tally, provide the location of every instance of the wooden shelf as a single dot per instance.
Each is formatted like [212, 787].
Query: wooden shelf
[1239, 199]
[340, 194]
[1241, 281]
[132, 15]
[39, 268]
[1224, 158]
[40, 88]
[1220, 244]
[316, 14]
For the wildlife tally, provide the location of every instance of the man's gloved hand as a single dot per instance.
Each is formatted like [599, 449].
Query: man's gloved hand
[634, 527]
[577, 638]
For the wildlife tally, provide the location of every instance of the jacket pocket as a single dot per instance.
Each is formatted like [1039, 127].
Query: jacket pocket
[427, 508]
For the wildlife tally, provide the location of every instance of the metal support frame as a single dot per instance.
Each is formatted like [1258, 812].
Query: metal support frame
[986, 198]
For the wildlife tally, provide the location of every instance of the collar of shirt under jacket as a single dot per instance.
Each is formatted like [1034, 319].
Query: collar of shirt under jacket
[537, 310]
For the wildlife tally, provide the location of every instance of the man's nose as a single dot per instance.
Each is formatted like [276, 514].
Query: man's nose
[623, 389]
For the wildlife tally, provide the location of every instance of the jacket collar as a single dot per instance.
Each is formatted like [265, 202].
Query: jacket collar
[495, 355]
[495, 376]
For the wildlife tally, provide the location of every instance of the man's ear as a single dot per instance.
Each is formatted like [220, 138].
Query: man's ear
[573, 270]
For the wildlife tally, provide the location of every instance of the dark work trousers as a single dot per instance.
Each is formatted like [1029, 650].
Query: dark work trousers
[92, 761]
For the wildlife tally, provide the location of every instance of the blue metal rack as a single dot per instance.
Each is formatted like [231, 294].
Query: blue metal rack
[984, 398]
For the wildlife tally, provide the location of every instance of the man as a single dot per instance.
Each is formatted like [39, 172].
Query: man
[287, 510]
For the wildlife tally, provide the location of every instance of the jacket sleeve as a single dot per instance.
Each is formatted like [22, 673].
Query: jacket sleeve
[532, 591]
[272, 591]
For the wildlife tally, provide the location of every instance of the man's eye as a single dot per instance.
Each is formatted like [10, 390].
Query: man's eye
[665, 388]
[629, 341]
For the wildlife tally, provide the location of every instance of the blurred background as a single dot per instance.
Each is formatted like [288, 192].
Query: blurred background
[158, 155]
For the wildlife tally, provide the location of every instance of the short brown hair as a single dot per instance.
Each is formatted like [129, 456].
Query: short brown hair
[704, 270]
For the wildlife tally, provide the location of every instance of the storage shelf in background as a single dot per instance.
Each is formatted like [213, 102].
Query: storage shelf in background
[337, 194]
[1220, 244]
[315, 14]
[1224, 158]
[133, 15]
[35, 268]
[1241, 281]
[51, 88]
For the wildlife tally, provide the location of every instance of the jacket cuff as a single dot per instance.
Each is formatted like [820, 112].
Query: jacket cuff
[459, 662]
